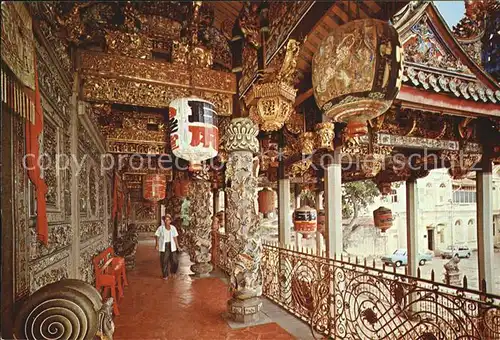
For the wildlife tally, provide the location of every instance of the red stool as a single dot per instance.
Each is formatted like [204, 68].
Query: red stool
[104, 280]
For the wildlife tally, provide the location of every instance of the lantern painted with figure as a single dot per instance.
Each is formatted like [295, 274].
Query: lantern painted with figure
[154, 187]
[194, 135]
[357, 73]
[266, 201]
[383, 218]
[305, 220]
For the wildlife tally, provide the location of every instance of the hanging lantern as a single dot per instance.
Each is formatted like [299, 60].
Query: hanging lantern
[266, 201]
[271, 99]
[153, 187]
[194, 134]
[305, 220]
[357, 72]
[383, 218]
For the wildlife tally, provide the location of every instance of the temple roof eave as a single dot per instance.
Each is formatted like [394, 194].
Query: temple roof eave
[416, 98]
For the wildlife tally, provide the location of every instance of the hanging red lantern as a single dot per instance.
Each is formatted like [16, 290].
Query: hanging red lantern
[383, 218]
[305, 220]
[194, 134]
[153, 187]
[266, 201]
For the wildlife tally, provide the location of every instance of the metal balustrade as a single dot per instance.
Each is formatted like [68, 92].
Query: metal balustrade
[343, 299]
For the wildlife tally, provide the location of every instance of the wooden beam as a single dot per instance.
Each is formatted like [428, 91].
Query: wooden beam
[303, 97]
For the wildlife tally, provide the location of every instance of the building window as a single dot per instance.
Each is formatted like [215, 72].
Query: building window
[464, 195]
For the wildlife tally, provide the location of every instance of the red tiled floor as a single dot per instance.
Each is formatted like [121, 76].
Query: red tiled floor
[180, 308]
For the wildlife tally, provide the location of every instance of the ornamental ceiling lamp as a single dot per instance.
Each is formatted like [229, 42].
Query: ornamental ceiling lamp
[271, 99]
[194, 135]
[357, 73]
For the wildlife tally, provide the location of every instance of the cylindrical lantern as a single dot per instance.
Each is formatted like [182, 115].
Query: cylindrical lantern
[153, 187]
[357, 72]
[266, 201]
[383, 218]
[305, 220]
[194, 135]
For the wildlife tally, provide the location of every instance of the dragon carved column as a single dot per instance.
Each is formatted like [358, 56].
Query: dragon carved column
[242, 228]
[198, 235]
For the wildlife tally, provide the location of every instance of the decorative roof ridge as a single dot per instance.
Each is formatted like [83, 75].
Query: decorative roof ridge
[415, 10]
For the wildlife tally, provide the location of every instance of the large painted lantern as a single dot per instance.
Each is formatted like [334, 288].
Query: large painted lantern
[266, 201]
[194, 135]
[305, 220]
[382, 218]
[154, 187]
[357, 73]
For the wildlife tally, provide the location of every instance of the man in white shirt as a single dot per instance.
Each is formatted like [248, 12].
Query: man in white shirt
[166, 243]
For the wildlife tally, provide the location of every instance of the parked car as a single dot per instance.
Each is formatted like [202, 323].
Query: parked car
[456, 251]
[400, 258]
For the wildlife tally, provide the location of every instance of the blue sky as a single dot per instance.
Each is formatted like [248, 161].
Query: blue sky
[452, 11]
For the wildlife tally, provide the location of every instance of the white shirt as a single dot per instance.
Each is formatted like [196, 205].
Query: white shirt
[165, 235]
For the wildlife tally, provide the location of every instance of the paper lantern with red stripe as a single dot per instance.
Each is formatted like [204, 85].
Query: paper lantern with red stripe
[154, 187]
[194, 135]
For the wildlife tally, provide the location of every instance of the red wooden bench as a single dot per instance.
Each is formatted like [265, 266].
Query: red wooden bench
[110, 273]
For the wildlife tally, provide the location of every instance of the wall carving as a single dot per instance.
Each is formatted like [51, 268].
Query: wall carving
[90, 229]
[50, 273]
[46, 18]
[85, 266]
[60, 237]
[21, 247]
[50, 147]
[112, 66]
[52, 85]
[134, 45]
[82, 184]
[132, 132]
[283, 17]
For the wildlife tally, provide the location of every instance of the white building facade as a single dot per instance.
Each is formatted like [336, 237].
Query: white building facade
[446, 210]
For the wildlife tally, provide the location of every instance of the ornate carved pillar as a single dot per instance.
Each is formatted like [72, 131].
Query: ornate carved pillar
[198, 235]
[174, 208]
[243, 229]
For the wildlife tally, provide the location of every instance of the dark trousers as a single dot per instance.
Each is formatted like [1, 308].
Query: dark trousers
[168, 261]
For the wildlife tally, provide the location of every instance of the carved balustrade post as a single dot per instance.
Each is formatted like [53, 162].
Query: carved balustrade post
[242, 223]
[198, 235]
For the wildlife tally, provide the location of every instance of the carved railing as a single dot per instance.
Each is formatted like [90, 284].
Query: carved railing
[350, 300]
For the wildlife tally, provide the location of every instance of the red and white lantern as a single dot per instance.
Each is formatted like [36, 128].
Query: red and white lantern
[194, 134]
[154, 187]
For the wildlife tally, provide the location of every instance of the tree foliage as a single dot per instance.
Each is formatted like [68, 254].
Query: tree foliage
[356, 196]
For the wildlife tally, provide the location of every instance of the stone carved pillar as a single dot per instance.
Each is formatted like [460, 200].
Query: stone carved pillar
[174, 208]
[198, 235]
[242, 222]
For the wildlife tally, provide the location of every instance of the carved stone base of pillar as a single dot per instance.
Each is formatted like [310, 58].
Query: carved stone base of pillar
[246, 311]
[202, 269]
